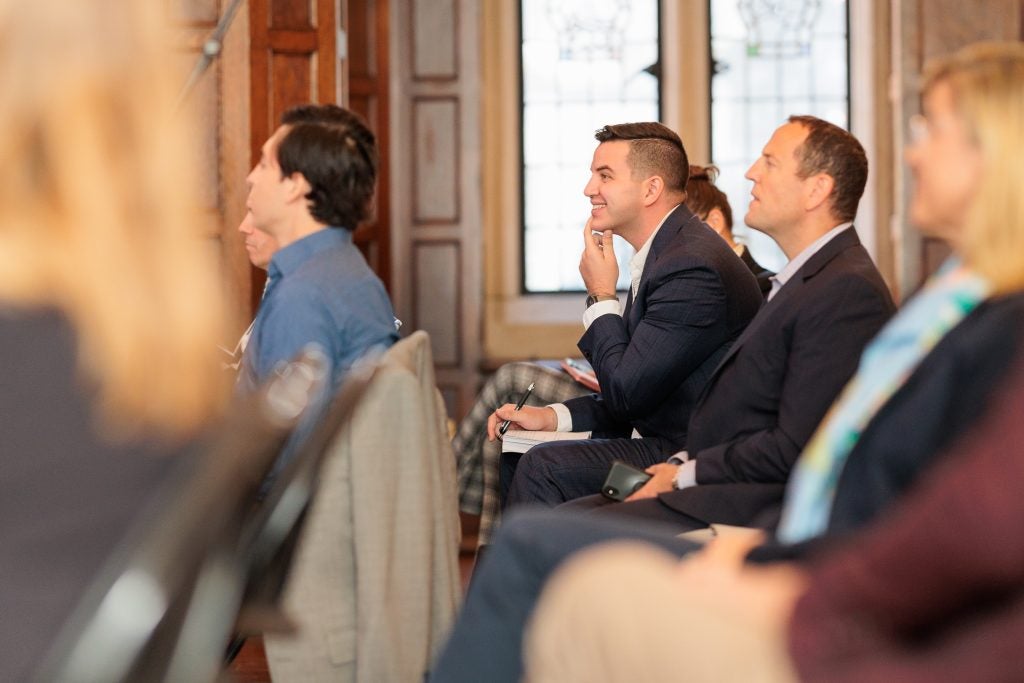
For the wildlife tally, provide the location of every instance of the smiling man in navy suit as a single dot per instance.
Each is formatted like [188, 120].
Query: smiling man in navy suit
[690, 297]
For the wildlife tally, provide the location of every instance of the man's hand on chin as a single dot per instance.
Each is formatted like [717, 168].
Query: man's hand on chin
[598, 266]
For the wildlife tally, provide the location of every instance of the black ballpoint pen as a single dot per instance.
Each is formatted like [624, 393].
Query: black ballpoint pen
[504, 425]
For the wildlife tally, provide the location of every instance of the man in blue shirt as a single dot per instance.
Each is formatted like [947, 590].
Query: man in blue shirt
[311, 188]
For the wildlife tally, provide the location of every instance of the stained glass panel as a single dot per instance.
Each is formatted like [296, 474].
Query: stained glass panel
[583, 66]
[771, 59]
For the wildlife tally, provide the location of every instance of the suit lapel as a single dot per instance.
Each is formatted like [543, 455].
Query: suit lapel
[844, 240]
[629, 304]
[677, 221]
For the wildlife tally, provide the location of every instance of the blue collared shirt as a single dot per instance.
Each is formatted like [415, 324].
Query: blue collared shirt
[320, 290]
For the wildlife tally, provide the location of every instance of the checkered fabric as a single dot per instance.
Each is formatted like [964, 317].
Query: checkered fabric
[477, 458]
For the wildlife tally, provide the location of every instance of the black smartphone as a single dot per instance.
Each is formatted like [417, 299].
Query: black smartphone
[622, 481]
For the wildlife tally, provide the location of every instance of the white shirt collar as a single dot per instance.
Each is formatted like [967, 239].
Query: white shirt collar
[639, 260]
[797, 262]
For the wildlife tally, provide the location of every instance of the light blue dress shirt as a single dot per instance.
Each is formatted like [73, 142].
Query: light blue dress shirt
[320, 290]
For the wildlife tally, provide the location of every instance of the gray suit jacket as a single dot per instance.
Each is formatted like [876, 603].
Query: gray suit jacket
[378, 561]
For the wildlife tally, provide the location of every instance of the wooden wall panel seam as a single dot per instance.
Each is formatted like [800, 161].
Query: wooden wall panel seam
[417, 323]
[452, 77]
[418, 217]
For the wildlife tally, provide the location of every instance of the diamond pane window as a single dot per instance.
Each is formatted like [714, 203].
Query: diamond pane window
[585, 63]
[771, 59]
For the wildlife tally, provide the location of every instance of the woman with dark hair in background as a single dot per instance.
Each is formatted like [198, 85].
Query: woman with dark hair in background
[707, 201]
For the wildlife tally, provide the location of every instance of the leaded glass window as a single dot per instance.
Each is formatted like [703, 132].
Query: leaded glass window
[585, 63]
[771, 59]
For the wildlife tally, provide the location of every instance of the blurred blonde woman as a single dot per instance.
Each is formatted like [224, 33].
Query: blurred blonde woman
[931, 591]
[109, 302]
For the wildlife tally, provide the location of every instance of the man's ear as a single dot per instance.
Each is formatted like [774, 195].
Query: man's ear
[653, 189]
[296, 187]
[819, 190]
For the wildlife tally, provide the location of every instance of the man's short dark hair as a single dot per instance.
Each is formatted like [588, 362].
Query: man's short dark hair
[835, 152]
[702, 195]
[654, 149]
[336, 153]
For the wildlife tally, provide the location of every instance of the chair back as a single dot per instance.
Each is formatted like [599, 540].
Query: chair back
[375, 583]
[271, 533]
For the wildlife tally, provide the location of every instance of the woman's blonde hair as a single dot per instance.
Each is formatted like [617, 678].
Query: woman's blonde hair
[99, 215]
[987, 81]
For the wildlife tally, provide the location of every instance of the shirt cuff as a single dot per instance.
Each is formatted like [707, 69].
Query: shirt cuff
[687, 475]
[600, 308]
[563, 415]
[678, 458]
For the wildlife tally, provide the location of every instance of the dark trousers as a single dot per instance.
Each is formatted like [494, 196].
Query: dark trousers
[486, 642]
[636, 512]
[559, 471]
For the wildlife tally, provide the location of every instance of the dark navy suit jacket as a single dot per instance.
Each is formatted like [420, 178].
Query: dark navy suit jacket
[946, 395]
[694, 298]
[778, 380]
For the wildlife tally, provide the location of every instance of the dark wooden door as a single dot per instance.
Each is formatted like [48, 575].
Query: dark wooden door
[302, 51]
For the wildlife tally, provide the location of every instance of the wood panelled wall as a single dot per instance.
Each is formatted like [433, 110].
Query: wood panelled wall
[412, 68]
[923, 29]
[436, 194]
[292, 60]
[302, 51]
[364, 88]
[219, 101]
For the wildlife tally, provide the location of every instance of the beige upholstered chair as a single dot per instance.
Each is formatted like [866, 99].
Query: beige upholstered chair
[375, 585]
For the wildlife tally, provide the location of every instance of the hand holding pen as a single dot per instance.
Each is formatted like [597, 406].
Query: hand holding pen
[519, 406]
[529, 418]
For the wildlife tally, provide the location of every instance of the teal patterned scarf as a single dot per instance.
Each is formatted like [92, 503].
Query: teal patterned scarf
[945, 300]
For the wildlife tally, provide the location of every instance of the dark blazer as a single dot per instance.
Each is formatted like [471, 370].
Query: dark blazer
[762, 274]
[67, 495]
[940, 401]
[778, 380]
[947, 393]
[694, 298]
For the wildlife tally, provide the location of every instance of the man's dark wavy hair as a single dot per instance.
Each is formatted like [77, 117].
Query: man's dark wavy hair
[654, 149]
[336, 153]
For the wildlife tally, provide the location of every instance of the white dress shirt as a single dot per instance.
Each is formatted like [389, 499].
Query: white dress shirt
[612, 306]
